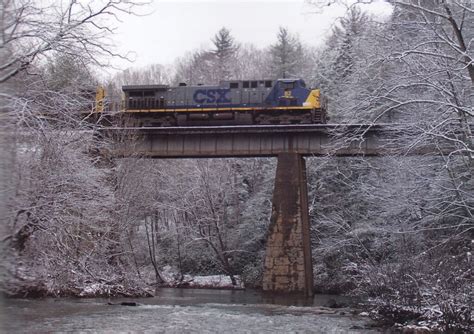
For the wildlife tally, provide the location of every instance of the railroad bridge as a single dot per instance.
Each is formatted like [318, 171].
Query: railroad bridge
[288, 263]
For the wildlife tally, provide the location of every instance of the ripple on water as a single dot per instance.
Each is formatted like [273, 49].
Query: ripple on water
[173, 316]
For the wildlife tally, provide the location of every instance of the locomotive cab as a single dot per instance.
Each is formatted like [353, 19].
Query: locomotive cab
[142, 97]
[287, 98]
[291, 92]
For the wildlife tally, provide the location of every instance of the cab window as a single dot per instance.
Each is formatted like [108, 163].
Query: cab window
[287, 85]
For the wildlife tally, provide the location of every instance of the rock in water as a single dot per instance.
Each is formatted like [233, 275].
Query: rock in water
[124, 303]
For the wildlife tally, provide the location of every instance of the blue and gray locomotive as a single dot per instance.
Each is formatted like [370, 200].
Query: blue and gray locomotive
[232, 102]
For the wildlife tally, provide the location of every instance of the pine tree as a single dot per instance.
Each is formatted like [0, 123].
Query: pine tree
[344, 40]
[66, 72]
[340, 70]
[286, 54]
[224, 50]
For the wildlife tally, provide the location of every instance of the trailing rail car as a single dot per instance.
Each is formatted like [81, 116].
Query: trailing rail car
[232, 102]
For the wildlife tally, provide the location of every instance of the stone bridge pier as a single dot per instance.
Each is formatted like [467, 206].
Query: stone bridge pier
[288, 265]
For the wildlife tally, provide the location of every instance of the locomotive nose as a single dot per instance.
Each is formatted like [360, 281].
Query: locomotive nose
[314, 99]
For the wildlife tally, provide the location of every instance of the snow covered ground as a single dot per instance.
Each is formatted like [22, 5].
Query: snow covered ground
[189, 281]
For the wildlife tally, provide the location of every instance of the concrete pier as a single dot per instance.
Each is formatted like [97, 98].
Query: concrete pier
[288, 265]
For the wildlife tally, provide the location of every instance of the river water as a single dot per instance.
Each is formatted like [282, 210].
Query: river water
[183, 311]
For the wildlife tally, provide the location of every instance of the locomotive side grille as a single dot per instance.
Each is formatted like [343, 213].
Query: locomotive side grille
[146, 103]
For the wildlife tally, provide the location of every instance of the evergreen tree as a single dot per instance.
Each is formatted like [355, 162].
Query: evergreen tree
[68, 73]
[224, 51]
[345, 40]
[286, 54]
[341, 68]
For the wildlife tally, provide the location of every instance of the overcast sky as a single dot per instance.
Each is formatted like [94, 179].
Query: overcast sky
[177, 26]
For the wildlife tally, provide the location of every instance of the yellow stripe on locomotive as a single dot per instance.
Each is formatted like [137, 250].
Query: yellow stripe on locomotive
[100, 99]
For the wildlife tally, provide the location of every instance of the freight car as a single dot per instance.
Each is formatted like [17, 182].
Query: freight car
[232, 102]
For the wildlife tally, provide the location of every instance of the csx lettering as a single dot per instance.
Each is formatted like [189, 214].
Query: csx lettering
[211, 96]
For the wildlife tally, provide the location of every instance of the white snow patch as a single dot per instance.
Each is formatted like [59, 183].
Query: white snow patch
[91, 289]
[212, 281]
[215, 281]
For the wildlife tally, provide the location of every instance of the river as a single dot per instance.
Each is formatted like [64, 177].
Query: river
[183, 311]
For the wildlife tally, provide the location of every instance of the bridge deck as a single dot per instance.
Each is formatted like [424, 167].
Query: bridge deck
[261, 141]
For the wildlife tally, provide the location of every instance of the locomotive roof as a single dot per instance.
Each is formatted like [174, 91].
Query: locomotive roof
[142, 87]
[163, 87]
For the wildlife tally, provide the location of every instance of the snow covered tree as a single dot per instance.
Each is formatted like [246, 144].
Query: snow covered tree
[251, 62]
[209, 66]
[32, 30]
[342, 68]
[433, 86]
[345, 39]
[286, 55]
[196, 67]
[66, 71]
[224, 51]
[412, 246]
[57, 236]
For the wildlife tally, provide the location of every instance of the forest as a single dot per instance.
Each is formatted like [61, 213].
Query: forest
[396, 230]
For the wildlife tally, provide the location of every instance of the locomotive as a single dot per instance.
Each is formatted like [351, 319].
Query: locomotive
[231, 102]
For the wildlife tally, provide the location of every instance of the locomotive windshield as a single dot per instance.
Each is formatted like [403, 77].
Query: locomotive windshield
[287, 85]
[291, 83]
